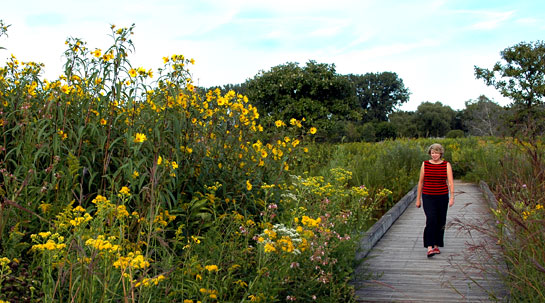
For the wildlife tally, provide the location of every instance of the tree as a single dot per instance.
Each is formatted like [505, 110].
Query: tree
[521, 77]
[378, 94]
[385, 130]
[368, 133]
[404, 123]
[434, 119]
[484, 117]
[314, 92]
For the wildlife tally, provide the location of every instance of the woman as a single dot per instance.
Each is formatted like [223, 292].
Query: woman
[436, 188]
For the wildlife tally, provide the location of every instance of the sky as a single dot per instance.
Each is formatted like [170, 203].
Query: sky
[432, 45]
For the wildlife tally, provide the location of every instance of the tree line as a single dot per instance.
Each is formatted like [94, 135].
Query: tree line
[364, 107]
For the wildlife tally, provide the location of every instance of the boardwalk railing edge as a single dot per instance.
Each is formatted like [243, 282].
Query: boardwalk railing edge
[492, 202]
[489, 196]
[373, 235]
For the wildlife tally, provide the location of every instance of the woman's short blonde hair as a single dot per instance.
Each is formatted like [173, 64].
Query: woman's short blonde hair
[437, 148]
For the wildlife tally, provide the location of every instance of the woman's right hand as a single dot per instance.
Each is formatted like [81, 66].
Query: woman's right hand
[418, 203]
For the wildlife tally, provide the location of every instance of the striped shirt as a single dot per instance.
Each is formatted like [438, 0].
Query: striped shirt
[435, 178]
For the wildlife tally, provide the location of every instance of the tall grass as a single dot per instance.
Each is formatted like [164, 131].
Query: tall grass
[395, 164]
[520, 189]
[515, 172]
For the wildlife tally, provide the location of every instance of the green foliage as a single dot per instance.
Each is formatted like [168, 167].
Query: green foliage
[455, 133]
[314, 92]
[434, 119]
[521, 77]
[484, 117]
[379, 94]
[404, 124]
[368, 132]
[385, 130]
[337, 104]
[393, 165]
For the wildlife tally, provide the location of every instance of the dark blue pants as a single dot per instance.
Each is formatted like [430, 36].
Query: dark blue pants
[435, 208]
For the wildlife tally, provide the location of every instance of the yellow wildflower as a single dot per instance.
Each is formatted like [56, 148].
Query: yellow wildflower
[234, 267]
[269, 247]
[195, 239]
[241, 283]
[62, 134]
[66, 89]
[125, 191]
[100, 199]
[97, 52]
[211, 268]
[313, 130]
[248, 185]
[45, 235]
[45, 207]
[139, 138]
[122, 211]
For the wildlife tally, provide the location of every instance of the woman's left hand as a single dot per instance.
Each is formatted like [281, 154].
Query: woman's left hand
[451, 202]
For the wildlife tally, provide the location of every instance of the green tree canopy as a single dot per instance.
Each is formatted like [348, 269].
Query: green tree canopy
[378, 94]
[520, 76]
[404, 123]
[434, 119]
[314, 92]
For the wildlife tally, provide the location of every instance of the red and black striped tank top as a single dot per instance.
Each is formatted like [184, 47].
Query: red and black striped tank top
[435, 178]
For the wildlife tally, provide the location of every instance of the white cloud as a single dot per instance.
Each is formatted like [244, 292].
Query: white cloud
[383, 51]
[492, 20]
[328, 30]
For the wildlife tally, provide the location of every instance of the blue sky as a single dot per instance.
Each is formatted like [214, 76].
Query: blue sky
[432, 45]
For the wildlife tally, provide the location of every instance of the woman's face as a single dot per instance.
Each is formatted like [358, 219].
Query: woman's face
[435, 155]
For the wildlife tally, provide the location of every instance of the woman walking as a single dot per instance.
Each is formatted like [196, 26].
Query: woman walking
[436, 189]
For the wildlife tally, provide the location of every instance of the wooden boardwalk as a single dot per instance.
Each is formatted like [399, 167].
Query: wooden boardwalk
[406, 274]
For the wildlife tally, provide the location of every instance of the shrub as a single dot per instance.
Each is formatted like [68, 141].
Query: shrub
[455, 133]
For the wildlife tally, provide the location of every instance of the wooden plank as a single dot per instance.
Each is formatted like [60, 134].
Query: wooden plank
[403, 272]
